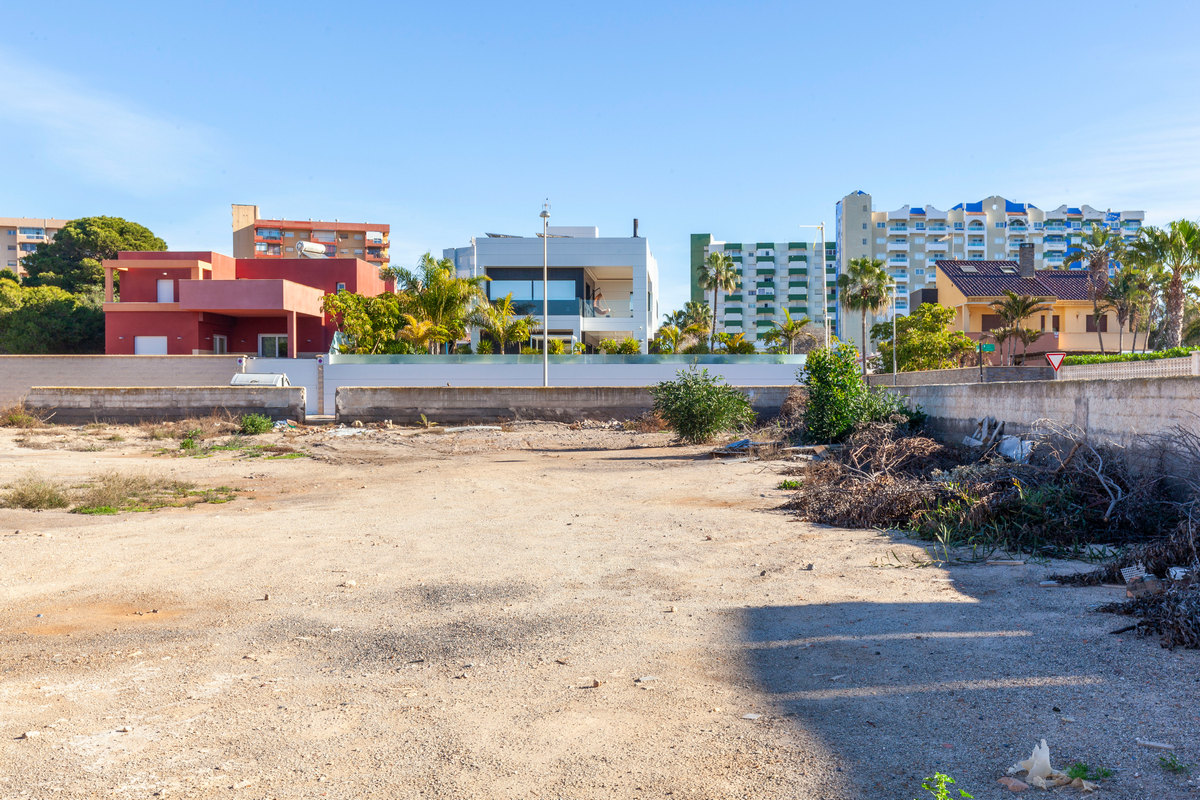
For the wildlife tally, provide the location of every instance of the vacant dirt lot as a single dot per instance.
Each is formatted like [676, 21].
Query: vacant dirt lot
[536, 612]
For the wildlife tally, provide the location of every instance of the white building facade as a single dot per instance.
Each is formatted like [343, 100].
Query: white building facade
[911, 239]
[600, 287]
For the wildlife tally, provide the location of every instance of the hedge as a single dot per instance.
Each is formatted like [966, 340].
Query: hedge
[1174, 352]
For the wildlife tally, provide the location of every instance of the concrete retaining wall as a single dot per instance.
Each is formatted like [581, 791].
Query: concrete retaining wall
[73, 404]
[964, 375]
[406, 404]
[20, 373]
[1121, 411]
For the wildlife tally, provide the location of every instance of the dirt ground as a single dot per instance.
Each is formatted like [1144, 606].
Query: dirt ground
[535, 612]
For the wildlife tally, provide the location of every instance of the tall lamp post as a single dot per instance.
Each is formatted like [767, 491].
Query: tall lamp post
[824, 281]
[545, 215]
[895, 344]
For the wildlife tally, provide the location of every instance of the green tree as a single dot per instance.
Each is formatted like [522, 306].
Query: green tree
[500, 322]
[924, 338]
[1014, 309]
[1176, 251]
[791, 333]
[433, 292]
[1097, 250]
[666, 340]
[718, 274]
[864, 287]
[734, 344]
[835, 392]
[1127, 295]
[73, 260]
[367, 324]
[47, 319]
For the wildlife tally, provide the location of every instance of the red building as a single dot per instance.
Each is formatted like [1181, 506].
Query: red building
[190, 303]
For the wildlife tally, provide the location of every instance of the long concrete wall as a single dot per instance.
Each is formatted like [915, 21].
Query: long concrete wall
[73, 404]
[406, 404]
[1122, 411]
[964, 375]
[19, 373]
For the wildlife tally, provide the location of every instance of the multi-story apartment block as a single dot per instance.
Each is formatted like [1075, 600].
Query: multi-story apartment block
[600, 287]
[254, 237]
[20, 236]
[775, 277]
[911, 239]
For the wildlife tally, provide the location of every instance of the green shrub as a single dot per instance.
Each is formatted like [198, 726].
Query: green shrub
[558, 347]
[527, 350]
[838, 400]
[628, 346]
[18, 416]
[1172, 352]
[188, 444]
[698, 406]
[253, 424]
[485, 348]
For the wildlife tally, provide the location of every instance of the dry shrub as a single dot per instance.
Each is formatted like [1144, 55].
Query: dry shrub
[18, 415]
[34, 492]
[1174, 615]
[792, 410]
[118, 490]
[217, 424]
[650, 422]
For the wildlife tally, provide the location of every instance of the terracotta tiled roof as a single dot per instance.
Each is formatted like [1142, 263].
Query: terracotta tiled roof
[993, 278]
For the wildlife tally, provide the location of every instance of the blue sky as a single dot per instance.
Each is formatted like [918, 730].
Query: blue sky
[447, 120]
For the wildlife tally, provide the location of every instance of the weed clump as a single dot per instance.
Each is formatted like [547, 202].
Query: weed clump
[254, 424]
[34, 492]
[19, 416]
[699, 406]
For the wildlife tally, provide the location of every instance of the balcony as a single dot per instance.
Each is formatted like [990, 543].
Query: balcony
[898, 229]
[898, 260]
[978, 244]
[897, 245]
[936, 247]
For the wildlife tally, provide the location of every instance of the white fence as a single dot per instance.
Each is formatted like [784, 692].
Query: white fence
[324, 375]
[1157, 368]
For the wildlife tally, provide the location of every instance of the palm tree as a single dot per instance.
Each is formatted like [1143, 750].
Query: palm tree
[1026, 336]
[499, 321]
[1014, 309]
[667, 339]
[422, 333]
[1001, 335]
[864, 287]
[790, 332]
[434, 292]
[718, 273]
[696, 315]
[1098, 249]
[1126, 296]
[1176, 249]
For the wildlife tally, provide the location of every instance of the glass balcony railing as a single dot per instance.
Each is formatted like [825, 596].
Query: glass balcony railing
[577, 307]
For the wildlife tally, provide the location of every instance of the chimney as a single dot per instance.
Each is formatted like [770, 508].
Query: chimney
[1025, 260]
[635, 228]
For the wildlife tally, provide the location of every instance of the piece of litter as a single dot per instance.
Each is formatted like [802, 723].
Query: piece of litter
[646, 679]
[837, 677]
[1068, 719]
[751, 716]
[29, 735]
[1154, 745]
[1049, 584]
[124, 729]
[1005, 562]
[1013, 784]
[1138, 570]
[1037, 765]
[1178, 573]
[670, 610]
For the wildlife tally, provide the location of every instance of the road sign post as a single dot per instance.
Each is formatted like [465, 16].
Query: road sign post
[984, 348]
[1055, 360]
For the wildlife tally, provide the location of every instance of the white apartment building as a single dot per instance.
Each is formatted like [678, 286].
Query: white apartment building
[20, 236]
[775, 277]
[600, 287]
[911, 239]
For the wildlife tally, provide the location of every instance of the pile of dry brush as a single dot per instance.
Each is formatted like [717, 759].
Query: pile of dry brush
[1070, 493]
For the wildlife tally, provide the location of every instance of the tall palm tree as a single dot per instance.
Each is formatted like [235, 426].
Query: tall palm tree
[695, 315]
[1026, 336]
[1014, 309]
[718, 274]
[864, 287]
[434, 292]
[1176, 249]
[790, 332]
[499, 321]
[1098, 249]
[1002, 335]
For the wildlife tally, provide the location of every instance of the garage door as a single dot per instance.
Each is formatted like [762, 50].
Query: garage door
[149, 345]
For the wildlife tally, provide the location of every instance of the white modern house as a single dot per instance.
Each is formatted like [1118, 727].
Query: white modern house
[601, 287]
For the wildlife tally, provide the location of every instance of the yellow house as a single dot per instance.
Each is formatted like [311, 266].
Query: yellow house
[969, 287]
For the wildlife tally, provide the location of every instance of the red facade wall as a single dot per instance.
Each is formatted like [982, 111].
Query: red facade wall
[180, 327]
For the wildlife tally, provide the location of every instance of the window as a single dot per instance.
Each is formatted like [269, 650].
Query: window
[880, 224]
[958, 226]
[323, 236]
[1055, 322]
[998, 240]
[864, 241]
[1008, 270]
[919, 256]
[34, 233]
[341, 286]
[864, 226]
[991, 322]
[919, 271]
[267, 233]
[1091, 324]
[999, 224]
[12, 247]
[358, 236]
[358, 251]
[12, 263]
[864, 207]
[880, 240]
[919, 226]
[272, 345]
[28, 247]
[289, 234]
[289, 248]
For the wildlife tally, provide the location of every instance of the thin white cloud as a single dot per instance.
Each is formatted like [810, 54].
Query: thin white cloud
[1156, 169]
[71, 127]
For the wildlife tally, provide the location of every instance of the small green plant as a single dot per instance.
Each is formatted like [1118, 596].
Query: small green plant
[188, 444]
[34, 492]
[18, 416]
[628, 346]
[1087, 773]
[698, 406]
[789, 484]
[485, 348]
[254, 424]
[838, 400]
[1171, 763]
[557, 347]
[937, 784]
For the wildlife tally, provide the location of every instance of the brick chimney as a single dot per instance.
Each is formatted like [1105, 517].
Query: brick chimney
[1025, 260]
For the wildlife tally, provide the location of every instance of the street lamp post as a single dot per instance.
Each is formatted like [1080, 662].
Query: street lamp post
[824, 281]
[895, 344]
[545, 215]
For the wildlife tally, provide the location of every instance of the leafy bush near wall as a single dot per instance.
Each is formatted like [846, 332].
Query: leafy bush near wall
[838, 400]
[1173, 352]
[698, 406]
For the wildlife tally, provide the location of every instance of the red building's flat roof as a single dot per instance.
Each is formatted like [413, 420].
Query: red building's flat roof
[324, 226]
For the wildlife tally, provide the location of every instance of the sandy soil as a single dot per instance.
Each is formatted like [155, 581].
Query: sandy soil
[537, 612]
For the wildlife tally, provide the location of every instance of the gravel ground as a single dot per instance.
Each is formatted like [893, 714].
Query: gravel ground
[536, 612]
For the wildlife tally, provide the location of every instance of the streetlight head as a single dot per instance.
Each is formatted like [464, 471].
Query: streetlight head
[544, 214]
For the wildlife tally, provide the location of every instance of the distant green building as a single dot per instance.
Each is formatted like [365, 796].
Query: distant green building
[775, 277]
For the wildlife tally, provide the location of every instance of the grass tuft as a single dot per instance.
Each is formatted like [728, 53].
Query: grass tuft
[19, 416]
[34, 492]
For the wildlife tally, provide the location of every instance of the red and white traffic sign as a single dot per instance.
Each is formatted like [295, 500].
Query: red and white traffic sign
[1055, 359]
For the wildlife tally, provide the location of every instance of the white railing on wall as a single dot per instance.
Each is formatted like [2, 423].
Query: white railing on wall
[1158, 368]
